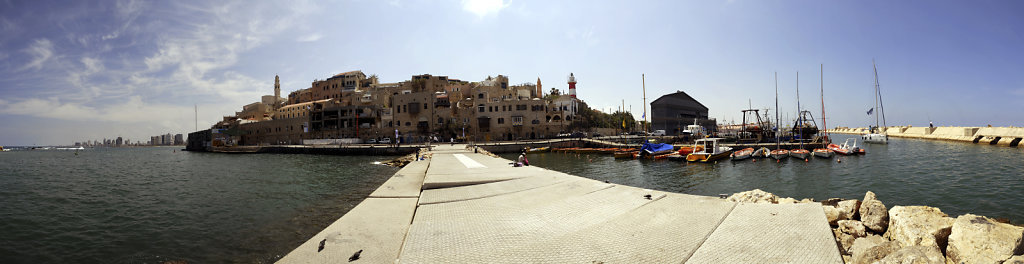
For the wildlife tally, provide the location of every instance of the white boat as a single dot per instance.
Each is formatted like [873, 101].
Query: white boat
[780, 154]
[742, 154]
[711, 151]
[875, 134]
[800, 153]
[823, 153]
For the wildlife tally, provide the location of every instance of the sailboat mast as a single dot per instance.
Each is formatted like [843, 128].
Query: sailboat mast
[644, 83]
[823, 124]
[777, 146]
[799, 115]
[878, 94]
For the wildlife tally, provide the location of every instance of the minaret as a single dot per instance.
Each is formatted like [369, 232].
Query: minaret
[572, 85]
[277, 90]
[540, 92]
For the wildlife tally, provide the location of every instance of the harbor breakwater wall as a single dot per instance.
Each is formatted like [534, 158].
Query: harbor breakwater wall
[1004, 136]
[318, 150]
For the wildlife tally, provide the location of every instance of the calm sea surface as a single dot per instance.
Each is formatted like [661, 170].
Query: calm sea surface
[956, 177]
[148, 205]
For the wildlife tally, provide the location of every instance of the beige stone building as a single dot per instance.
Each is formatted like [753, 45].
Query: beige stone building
[353, 106]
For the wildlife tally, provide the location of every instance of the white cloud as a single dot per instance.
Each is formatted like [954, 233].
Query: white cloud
[482, 8]
[310, 38]
[41, 51]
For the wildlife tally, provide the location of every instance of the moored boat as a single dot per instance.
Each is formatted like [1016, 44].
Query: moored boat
[711, 152]
[800, 153]
[538, 150]
[779, 154]
[655, 149]
[876, 134]
[823, 153]
[626, 154]
[742, 154]
[840, 149]
[761, 153]
[683, 151]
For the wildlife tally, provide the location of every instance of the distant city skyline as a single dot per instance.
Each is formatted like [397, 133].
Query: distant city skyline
[80, 70]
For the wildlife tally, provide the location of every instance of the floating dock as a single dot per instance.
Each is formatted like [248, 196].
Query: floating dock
[465, 207]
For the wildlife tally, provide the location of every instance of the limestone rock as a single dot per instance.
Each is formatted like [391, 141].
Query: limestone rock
[848, 209]
[919, 226]
[832, 214]
[1018, 259]
[915, 255]
[873, 213]
[978, 239]
[754, 196]
[871, 249]
[832, 202]
[787, 200]
[807, 200]
[848, 232]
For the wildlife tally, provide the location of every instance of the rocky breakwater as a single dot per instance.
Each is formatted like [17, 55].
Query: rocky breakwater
[867, 232]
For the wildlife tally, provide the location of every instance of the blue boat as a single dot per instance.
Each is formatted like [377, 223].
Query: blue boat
[654, 149]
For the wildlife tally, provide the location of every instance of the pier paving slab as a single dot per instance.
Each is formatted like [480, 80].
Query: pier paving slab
[771, 233]
[377, 226]
[488, 230]
[462, 193]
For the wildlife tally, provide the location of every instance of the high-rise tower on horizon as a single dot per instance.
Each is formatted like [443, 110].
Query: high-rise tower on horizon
[572, 85]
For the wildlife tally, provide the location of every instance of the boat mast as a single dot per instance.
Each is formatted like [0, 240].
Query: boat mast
[644, 83]
[777, 146]
[875, 93]
[799, 115]
[878, 96]
[823, 124]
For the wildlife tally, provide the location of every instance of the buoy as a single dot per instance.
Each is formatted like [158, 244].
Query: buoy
[778, 161]
[806, 160]
[839, 161]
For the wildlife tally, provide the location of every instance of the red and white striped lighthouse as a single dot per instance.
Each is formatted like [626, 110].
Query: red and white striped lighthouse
[572, 85]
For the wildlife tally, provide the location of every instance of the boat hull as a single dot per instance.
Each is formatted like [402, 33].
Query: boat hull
[780, 154]
[742, 154]
[875, 138]
[800, 153]
[823, 153]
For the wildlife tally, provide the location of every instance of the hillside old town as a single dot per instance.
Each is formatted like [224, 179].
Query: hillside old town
[352, 107]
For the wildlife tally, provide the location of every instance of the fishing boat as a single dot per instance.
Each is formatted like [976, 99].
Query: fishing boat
[742, 154]
[875, 134]
[538, 150]
[800, 153]
[711, 151]
[779, 154]
[823, 153]
[655, 149]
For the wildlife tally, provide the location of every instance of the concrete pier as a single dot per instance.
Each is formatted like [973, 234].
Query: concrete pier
[464, 207]
[1003, 136]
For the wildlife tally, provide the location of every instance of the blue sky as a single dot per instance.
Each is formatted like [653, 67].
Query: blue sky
[84, 70]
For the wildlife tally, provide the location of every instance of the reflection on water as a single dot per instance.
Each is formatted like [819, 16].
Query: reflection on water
[957, 177]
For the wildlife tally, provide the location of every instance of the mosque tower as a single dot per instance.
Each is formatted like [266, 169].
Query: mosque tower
[540, 92]
[277, 90]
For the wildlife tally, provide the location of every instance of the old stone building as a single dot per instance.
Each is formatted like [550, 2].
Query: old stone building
[352, 107]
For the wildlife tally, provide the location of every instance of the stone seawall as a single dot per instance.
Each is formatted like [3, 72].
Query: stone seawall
[1003, 136]
[866, 231]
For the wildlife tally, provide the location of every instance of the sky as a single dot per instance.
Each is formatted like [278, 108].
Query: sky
[88, 70]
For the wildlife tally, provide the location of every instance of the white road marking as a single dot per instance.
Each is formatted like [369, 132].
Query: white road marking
[468, 162]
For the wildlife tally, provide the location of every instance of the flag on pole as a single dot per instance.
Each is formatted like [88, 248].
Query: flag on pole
[643, 116]
[871, 110]
[623, 123]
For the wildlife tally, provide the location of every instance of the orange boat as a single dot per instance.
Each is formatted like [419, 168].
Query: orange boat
[683, 151]
[626, 154]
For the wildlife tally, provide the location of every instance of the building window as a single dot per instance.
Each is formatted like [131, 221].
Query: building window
[520, 107]
[408, 124]
[501, 120]
[480, 96]
[480, 108]
[440, 120]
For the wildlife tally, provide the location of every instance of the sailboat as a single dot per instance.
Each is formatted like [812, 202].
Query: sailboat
[823, 152]
[778, 153]
[799, 153]
[875, 135]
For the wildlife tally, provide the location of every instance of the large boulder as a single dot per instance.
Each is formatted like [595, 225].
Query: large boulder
[848, 209]
[848, 232]
[831, 214]
[919, 226]
[871, 249]
[873, 213]
[754, 196]
[915, 255]
[978, 239]
[787, 200]
[1018, 259]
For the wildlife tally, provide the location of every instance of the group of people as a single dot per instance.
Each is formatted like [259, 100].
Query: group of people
[522, 161]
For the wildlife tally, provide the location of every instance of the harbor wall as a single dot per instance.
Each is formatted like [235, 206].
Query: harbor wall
[1003, 136]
